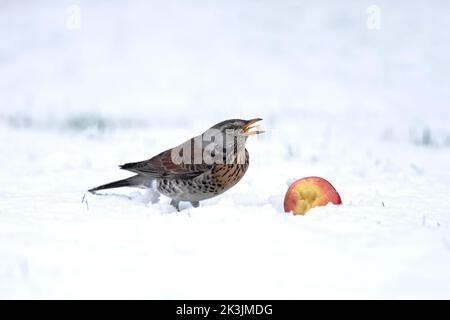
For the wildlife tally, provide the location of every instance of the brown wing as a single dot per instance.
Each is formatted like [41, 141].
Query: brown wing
[162, 166]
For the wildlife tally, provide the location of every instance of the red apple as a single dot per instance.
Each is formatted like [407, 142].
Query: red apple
[309, 192]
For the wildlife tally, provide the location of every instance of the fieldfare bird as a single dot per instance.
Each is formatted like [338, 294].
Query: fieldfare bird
[201, 168]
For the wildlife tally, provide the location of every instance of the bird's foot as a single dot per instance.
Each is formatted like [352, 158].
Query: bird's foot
[195, 204]
[175, 204]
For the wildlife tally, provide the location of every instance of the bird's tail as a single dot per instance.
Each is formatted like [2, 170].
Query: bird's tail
[135, 181]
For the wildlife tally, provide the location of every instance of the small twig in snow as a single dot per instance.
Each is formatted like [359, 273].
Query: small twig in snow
[85, 200]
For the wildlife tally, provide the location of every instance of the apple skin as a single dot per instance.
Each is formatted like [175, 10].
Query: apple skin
[309, 192]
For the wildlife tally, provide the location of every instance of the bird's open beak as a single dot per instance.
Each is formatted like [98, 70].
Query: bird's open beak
[249, 126]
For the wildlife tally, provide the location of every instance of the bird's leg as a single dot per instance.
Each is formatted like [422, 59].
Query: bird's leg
[175, 204]
[195, 204]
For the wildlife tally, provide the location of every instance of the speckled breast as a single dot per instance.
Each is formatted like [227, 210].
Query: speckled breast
[207, 185]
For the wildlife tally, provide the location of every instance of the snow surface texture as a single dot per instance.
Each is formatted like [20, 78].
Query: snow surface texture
[366, 109]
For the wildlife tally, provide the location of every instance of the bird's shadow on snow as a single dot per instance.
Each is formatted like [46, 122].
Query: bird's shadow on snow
[149, 196]
[146, 198]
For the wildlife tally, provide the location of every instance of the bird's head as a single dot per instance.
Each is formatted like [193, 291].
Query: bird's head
[222, 143]
[229, 137]
[239, 127]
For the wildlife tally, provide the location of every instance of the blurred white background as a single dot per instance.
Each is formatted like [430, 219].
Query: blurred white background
[176, 61]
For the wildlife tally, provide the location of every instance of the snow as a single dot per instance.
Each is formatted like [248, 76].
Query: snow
[365, 109]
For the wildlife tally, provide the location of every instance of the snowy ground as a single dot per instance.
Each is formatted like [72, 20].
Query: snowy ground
[366, 109]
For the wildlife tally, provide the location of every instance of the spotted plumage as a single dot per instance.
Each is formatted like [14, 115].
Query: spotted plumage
[212, 182]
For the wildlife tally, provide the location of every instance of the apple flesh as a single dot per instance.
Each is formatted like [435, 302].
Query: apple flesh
[309, 192]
